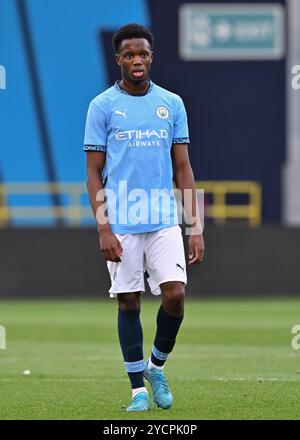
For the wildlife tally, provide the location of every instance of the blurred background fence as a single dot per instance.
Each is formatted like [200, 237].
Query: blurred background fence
[75, 211]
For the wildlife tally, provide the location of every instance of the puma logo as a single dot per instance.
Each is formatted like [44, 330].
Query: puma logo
[178, 265]
[117, 112]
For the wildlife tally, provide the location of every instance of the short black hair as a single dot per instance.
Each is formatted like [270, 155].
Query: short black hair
[132, 30]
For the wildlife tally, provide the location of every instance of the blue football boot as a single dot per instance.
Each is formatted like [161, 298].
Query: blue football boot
[162, 396]
[140, 402]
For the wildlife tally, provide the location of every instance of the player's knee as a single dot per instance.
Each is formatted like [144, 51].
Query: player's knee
[129, 301]
[174, 300]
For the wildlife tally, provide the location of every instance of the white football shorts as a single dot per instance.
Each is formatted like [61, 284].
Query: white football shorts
[160, 254]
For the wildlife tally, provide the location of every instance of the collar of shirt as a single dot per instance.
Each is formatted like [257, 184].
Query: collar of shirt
[119, 88]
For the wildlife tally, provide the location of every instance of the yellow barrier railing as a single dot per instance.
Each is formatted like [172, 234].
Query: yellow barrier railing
[220, 210]
[72, 210]
[75, 212]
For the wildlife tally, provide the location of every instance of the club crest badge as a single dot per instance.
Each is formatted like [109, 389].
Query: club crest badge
[162, 112]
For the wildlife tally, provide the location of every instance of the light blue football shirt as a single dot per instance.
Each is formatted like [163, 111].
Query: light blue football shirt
[137, 134]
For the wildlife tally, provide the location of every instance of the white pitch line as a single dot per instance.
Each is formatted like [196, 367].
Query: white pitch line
[48, 379]
[217, 379]
[256, 379]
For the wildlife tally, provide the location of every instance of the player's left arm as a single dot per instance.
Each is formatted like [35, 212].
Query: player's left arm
[184, 180]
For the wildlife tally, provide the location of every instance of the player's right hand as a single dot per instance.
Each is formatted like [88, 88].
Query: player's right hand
[110, 246]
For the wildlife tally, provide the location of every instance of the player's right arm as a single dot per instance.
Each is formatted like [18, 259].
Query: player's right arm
[109, 244]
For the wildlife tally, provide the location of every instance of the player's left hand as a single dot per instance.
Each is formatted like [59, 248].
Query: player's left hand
[196, 249]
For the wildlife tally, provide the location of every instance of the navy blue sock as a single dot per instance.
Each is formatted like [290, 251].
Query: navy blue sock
[131, 341]
[167, 329]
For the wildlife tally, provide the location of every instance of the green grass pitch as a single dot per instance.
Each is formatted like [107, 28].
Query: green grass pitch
[233, 360]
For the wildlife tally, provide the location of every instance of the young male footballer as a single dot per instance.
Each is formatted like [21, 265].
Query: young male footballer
[136, 141]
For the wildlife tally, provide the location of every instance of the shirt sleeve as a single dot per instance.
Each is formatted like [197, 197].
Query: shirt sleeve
[181, 130]
[95, 138]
